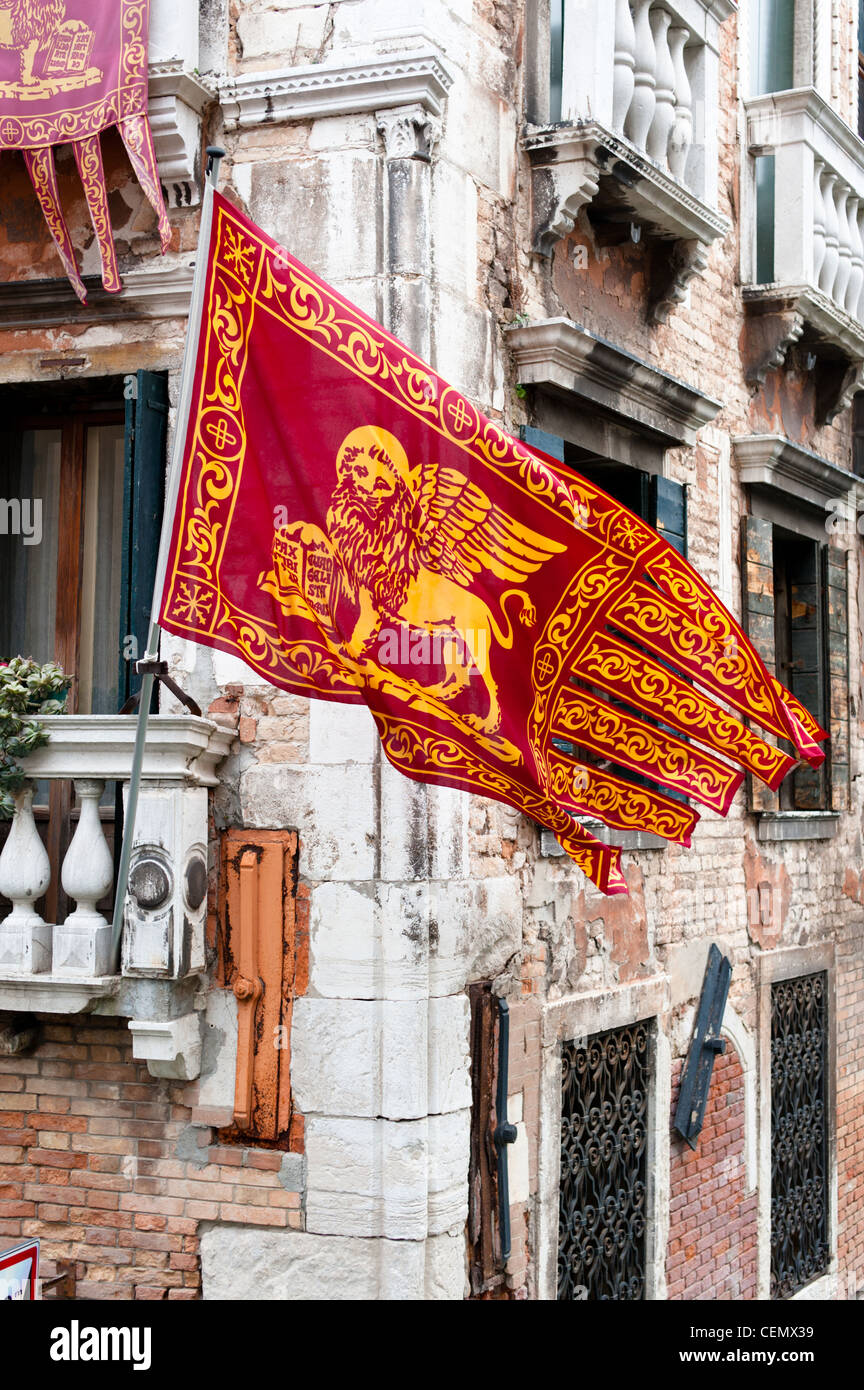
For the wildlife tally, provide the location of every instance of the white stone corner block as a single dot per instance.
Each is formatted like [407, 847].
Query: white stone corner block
[25, 947]
[171, 1048]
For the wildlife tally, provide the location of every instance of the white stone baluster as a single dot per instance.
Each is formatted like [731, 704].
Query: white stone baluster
[844, 267]
[25, 938]
[682, 131]
[623, 80]
[82, 944]
[641, 112]
[664, 88]
[818, 222]
[856, 277]
[857, 310]
[831, 260]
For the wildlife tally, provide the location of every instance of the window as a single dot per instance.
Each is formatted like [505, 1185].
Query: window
[796, 611]
[603, 1183]
[799, 1167]
[657, 500]
[81, 478]
[773, 46]
[861, 67]
[798, 646]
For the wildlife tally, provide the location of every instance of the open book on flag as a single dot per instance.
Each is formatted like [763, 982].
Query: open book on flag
[355, 530]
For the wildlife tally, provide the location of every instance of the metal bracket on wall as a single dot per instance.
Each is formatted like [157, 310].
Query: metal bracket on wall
[705, 1046]
[505, 1133]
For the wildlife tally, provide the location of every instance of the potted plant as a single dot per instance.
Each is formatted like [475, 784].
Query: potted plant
[26, 691]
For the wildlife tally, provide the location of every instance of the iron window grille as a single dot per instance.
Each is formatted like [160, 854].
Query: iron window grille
[799, 1170]
[603, 1188]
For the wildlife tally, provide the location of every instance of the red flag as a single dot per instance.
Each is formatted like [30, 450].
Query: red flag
[355, 530]
[68, 70]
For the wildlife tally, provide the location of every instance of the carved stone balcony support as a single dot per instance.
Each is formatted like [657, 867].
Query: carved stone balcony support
[66, 966]
[803, 253]
[638, 137]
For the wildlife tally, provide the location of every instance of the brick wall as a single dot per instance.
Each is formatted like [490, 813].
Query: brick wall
[850, 1113]
[712, 1225]
[98, 1159]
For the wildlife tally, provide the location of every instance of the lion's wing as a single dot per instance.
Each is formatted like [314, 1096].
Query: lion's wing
[465, 533]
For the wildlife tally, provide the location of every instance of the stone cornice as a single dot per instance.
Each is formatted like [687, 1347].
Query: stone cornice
[795, 111]
[169, 78]
[305, 93]
[771, 461]
[562, 356]
[152, 291]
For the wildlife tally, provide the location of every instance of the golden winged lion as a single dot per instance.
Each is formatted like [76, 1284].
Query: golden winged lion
[411, 541]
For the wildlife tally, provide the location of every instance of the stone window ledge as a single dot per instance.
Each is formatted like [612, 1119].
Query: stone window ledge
[797, 825]
[563, 357]
[159, 289]
[622, 839]
[774, 462]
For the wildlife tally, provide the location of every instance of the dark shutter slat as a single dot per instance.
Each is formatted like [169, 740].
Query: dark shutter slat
[146, 430]
[806, 678]
[757, 577]
[669, 505]
[837, 641]
[551, 444]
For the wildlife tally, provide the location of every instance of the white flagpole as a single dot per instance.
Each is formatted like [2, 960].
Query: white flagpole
[147, 666]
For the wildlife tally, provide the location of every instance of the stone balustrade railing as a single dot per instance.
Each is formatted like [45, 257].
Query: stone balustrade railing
[652, 98]
[804, 206]
[638, 128]
[163, 922]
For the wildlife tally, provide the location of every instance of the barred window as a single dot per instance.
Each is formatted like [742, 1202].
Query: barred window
[799, 1169]
[602, 1209]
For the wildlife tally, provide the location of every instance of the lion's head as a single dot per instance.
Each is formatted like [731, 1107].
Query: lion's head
[373, 518]
[36, 19]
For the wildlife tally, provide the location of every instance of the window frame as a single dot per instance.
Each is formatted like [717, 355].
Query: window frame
[643, 1001]
[773, 967]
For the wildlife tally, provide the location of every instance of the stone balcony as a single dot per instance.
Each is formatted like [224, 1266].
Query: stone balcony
[68, 966]
[803, 243]
[637, 140]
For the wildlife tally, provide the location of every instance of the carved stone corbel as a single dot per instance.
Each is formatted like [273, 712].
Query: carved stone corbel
[767, 340]
[836, 384]
[409, 132]
[560, 192]
[686, 260]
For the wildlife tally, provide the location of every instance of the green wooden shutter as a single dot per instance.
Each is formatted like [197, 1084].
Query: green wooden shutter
[667, 510]
[836, 610]
[551, 444]
[146, 396]
[757, 576]
[806, 676]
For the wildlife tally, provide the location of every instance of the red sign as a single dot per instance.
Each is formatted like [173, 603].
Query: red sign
[19, 1270]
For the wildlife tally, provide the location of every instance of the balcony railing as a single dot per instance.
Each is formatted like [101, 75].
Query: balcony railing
[636, 133]
[67, 966]
[803, 242]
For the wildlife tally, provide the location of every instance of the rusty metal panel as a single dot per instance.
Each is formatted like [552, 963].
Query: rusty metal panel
[263, 959]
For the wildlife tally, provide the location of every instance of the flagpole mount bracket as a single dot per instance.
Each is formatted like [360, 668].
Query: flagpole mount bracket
[159, 671]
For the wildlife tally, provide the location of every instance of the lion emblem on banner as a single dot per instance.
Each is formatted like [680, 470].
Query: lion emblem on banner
[39, 30]
[404, 546]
